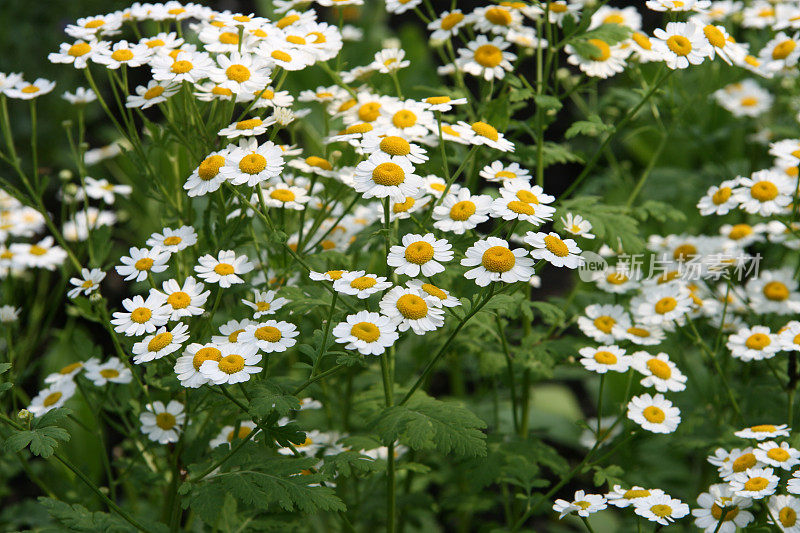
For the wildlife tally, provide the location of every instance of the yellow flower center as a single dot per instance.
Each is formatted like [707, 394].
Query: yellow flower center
[404, 119]
[52, 398]
[680, 45]
[437, 100]
[714, 36]
[498, 16]
[79, 49]
[604, 50]
[787, 516]
[556, 246]
[395, 145]
[659, 368]
[87, 284]
[419, 252]
[70, 368]
[363, 127]
[238, 73]
[229, 37]
[661, 510]
[632, 494]
[665, 305]
[253, 163]
[172, 241]
[295, 39]
[268, 333]
[642, 40]
[756, 483]
[224, 269]
[748, 101]
[605, 358]
[244, 431]
[365, 331]
[763, 428]
[281, 56]
[30, 89]
[109, 373]
[221, 91]
[318, 162]
[94, 24]
[462, 210]
[776, 291]
[165, 420]
[363, 282]
[757, 341]
[521, 208]
[369, 112]
[614, 18]
[181, 67]
[123, 54]
[145, 263]
[263, 306]
[638, 332]
[287, 20]
[558, 7]
[778, 454]
[740, 231]
[488, 55]
[231, 364]
[433, 290]
[450, 21]
[764, 191]
[202, 355]
[743, 462]
[249, 124]
[335, 274]
[604, 323]
[140, 315]
[498, 259]
[282, 195]
[159, 342]
[684, 252]
[402, 207]
[654, 414]
[783, 49]
[153, 43]
[388, 174]
[716, 512]
[179, 300]
[412, 307]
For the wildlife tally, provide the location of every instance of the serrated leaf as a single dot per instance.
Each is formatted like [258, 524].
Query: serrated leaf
[18, 441]
[551, 313]
[591, 127]
[76, 517]
[268, 396]
[348, 463]
[547, 102]
[45, 440]
[4, 367]
[554, 153]
[425, 423]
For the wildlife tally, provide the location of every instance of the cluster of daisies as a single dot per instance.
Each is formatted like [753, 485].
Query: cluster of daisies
[748, 475]
[19, 225]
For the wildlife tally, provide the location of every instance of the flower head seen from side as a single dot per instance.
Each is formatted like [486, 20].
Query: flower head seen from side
[112, 371]
[368, 333]
[582, 504]
[491, 260]
[52, 397]
[553, 249]
[88, 282]
[360, 284]
[163, 423]
[604, 359]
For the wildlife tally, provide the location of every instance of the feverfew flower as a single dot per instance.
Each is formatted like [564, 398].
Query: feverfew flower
[141, 262]
[661, 508]
[163, 424]
[553, 249]
[754, 483]
[764, 431]
[493, 260]
[420, 254]
[264, 303]
[87, 283]
[659, 372]
[682, 44]
[235, 365]
[112, 371]
[369, 333]
[161, 343]
[604, 359]
[223, 269]
[654, 413]
[583, 504]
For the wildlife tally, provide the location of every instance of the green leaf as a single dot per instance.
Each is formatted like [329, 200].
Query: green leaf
[551, 313]
[45, 440]
[76, 517]
[43, 437]
[609, 474]
[591, 127]
[348, 464]
[610, 223]
[547, 102]
[425, 423]
[266, 396]
[611, 34]
[18, 441]
[4, 367]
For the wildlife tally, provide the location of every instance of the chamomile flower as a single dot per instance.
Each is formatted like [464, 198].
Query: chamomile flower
[583, 504]
[720, 498]
[661, 508]
[28, 91]
[390, 60]
[789, 337]
[420, 254]
[251, 127]
[412, 308]
[447, 25]
[78, 53]
[722, 45]
[782, 51]
[123, 53]
[553, 249]
[173, 240]
[753, 344]
[112, 371]
[236, 363]
[241, 73]
[498, 172]
[627, 16]
[461, 211]
[359, 283]
[754, 483]
[510, 208]
[264, 303]
[250, 163]
[163, 423]
[187, 366]
[678, 5]
[151, 94]
[778, 455]
[228, 434]
[68, 372]
[286, 196]
[52, 397]
[765, 192]
[382, 175]
[102, 189]
[605, 359]
[81, 96]
[764, 431]
[786, 509]
[270, 336]
[186, 300]
[223, 269]
[185, 66]
[493, 260]
[607, 61]
[483, 134]
[719, 199]
[207, 176]
[774, 291]
[622, 498]
[682, 44]
[142, 261]
[44, 254]
[659, 372]
[393, 146]
[578, 226]
[486, 59]
[441, 296]
[662, 304]
[330, 275]
[87, 283]
[141, 316]
[604, 323]
[369, 333]
[654, 413]
[495, 19]
[163, 342]
[285, 55]
[442, 103]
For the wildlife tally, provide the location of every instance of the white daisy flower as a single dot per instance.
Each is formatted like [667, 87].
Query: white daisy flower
[498, 172]
[778, 455]
[661, 508]
[753, 344]
[185, 66]
[654, 413]
[774, 291]
[241, 73]
[583, 504]
[786, 510]
[493, 260]
[659, 372]
[789, 337]
[578, 226]
[604, 323]
[184, 301]
[682, 44]
[28, 91]
[223, 269]
[141, 316]
[270, 336]
[236, 364]
[390, 60]
[553, 249]
[447, 25]
[250, 163]
[230, 331]
[712, 503]
[77, 54]
[604, 359]
[102, 189]
[68, 372]
[461, 211]
[359, 283]
[52, 397]
[330, 275]
[622, 498]
[765, 192]
[160, 344]
[486, 59]
[412, 308]
[207, 177]
[163, 424]
[265, 303]
[394, 146]
[764, 431]
[123, 53]
[187, 366]
[142, 261]
[719, 199]
[754, 483]
[483, 134]
[382, 176]
[251, 127]
[662, 304]
[81, 96]
[440, 296]
[173, 240]
[286, 196]
[87, 283]
[369, 333]
[112, 371]
[420, 254]
[606, 62]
